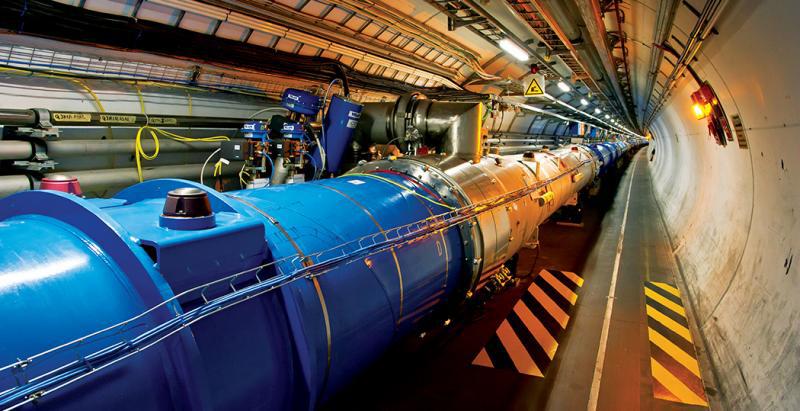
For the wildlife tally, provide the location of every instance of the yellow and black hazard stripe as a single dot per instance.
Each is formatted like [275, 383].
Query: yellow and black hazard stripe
[527, 339]
[673, 360]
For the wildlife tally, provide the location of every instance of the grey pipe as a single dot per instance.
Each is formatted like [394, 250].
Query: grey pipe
[95, 180]
[15, 150]
[22, 150]
[73, 148]
[280, 173]
[13, 184]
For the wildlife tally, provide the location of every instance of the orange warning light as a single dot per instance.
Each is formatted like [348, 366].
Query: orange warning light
[706, 105]
[702, 99]
[701, 111]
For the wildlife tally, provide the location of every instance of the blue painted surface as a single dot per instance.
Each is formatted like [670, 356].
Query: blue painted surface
[300, 101]
[340, 123]
[70, 266]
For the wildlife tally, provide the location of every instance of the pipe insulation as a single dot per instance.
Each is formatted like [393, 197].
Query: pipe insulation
[22, 150]
[98, 180]
[15, 150]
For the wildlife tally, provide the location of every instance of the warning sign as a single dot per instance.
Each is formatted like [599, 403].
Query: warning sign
[534, 89]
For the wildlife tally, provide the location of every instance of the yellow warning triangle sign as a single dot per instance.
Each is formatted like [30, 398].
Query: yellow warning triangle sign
[534, 89]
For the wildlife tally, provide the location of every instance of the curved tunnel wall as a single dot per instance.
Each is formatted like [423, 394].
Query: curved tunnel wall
[731, 212]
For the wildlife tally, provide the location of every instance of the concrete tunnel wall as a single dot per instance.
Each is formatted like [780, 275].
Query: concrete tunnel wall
[731, 212]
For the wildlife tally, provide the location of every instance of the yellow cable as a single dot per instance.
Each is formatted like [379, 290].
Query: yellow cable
[154, 133]
[100, 107]
[386, 180]
[73, 80]
[141, 103]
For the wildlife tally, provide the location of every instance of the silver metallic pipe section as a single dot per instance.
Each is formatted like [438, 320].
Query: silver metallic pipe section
[501, 232]
[453, 128]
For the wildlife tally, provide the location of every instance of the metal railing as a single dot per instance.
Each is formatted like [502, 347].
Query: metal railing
[288, 269]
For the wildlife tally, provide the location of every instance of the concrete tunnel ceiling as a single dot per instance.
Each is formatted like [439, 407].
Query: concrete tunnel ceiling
[723, 181]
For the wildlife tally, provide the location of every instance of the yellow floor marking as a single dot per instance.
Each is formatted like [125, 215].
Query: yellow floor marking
[665, 302]
[674, 385]
[483, 359]
[669, 323]
[574, 277]
[519, 355]
[543, 337]
[559, 286]
[668, 288]
[674, 351]
[555, 311]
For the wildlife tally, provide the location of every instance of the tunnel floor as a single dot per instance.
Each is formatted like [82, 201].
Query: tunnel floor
[651, 361]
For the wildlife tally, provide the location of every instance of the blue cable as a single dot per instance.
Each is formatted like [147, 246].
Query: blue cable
[313, 163]
[271, 166]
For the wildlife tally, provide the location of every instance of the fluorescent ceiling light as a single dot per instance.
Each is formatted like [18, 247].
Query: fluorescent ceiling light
[512, 48]
[584, 102]
[564, 86]
[597, 110]
[607, 117]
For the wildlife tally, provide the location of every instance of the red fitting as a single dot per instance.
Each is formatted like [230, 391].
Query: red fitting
[65, 184]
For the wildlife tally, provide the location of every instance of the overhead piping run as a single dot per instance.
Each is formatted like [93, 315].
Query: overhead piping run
[403, 22]
[495, 25]
[627, 74]
[705, 25]
[257, 24]
[664, 21]
[535, 14]
[590, 13]
[559, 20]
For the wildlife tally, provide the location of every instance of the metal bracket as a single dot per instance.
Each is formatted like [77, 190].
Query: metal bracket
[44, 128]
[39, 161]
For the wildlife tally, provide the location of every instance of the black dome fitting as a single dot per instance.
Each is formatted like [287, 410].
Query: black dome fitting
[187, 202]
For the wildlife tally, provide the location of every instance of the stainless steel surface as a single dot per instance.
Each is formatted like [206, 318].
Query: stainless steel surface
[451, 128]
[502, 232]
[280, 173]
